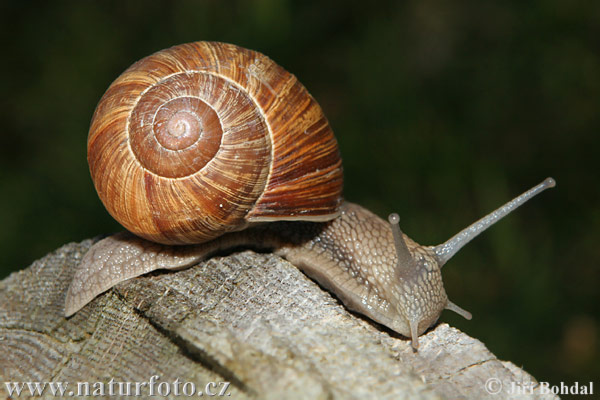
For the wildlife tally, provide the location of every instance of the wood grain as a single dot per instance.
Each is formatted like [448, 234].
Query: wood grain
[252, 319]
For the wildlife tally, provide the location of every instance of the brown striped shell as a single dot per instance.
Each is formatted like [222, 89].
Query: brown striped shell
[205, 138]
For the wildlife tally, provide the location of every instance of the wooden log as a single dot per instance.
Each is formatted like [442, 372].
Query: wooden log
[249, 319]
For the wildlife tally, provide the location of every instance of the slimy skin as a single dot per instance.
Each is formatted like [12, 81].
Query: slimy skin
[369, 264]
[352, 256]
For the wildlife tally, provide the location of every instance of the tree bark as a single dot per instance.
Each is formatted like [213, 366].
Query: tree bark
[250, 319]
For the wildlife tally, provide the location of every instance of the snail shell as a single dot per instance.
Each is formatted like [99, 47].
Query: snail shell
[205, 138]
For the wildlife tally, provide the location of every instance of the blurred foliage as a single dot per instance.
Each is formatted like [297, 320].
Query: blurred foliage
[443, 111]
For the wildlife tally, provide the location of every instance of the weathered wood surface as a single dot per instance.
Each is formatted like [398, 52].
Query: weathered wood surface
[251, 319]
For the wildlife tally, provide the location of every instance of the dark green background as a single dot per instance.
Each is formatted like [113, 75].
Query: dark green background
[443, 111]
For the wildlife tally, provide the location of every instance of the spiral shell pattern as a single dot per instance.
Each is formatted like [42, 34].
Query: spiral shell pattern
[205, 138]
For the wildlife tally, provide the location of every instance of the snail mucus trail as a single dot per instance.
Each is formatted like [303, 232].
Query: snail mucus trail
[211, 146]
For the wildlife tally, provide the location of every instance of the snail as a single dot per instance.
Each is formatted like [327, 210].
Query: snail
[207, 146]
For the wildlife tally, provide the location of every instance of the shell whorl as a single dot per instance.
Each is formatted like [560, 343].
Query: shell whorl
[204, 138]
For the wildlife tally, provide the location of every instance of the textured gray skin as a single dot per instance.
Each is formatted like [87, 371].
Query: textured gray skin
[374, 270]
[353, 256]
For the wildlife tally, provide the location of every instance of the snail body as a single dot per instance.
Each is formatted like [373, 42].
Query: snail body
[177, 136]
